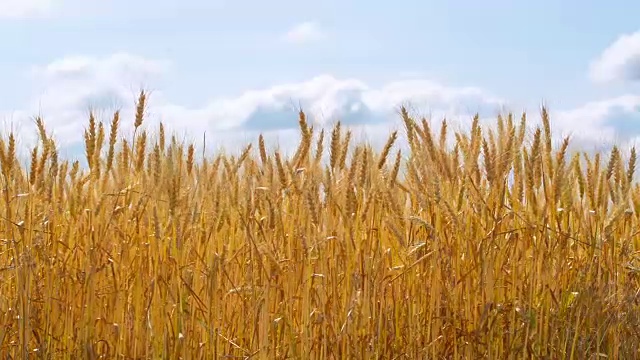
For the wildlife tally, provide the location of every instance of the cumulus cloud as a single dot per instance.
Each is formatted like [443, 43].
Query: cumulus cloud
[65, 90]
[68, 88]
[619, 62]
[24, 8]
[598, 125]
[305, 32]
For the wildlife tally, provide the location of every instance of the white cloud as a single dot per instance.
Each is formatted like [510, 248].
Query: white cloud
[620, 61]
[599, 124]
[68, 87]
[118, 65]
[72, 85]
[24, 8]
[305, 33]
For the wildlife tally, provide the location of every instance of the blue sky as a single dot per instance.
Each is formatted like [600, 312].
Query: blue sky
[234, 69]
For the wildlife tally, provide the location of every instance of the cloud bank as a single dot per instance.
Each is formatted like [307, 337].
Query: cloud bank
[66, 89]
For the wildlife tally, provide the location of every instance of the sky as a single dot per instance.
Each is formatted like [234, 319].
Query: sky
[235, 69]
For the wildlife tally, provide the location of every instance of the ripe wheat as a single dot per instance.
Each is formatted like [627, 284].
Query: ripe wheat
[494, 246]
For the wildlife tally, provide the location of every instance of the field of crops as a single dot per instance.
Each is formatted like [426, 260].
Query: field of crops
[500, 245]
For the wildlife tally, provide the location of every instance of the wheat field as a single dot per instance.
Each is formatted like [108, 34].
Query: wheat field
[498, 246]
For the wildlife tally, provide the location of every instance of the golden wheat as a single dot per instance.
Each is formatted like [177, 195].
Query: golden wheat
[493, 246]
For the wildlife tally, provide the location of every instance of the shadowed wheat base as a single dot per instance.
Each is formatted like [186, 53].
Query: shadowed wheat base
[500, 247]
